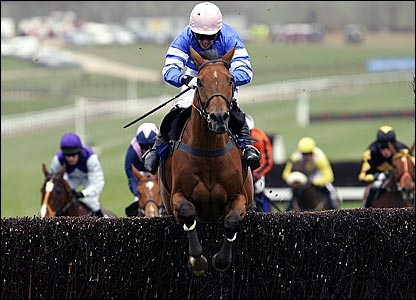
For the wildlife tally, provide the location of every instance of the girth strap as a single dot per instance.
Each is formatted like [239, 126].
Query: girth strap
[203, 153]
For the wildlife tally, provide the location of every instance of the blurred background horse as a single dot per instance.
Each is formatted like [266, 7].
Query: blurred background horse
[149, 202]
[307, 197]
[58, 199]
[205, 179]
[399, 189]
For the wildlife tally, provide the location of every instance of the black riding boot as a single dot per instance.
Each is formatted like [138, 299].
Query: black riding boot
[98, 213]
[289, 205]
[251, 156]
[151, 157]
[373, 194]
[331, 195]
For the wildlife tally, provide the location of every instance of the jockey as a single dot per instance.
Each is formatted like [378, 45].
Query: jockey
[377, 162]
[262, 142]
[209, 36]
[82, 168]
[142, 142]
[318, 167]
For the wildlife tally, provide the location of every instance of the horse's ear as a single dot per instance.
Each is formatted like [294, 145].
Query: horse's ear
[62, 171]
[412, 148]
[198, 58]
[45, 170]
[136, 172]
[228, 57]
[392, 148]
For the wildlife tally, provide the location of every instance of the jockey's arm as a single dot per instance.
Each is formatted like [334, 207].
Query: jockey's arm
[95, 177]
[288, 169]
[366, 172]
[264, 146]
[325, 170]
[55, 165]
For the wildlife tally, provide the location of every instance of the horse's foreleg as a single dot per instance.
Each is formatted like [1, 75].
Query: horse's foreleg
[184, 212]
[222, 260]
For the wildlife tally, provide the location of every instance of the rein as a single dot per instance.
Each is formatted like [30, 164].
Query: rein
[203, 113]
[65, 208]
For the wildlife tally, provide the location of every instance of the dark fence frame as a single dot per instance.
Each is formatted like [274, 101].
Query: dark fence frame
[338, 254]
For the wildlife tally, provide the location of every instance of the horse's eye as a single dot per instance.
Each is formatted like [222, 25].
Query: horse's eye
[198, 82]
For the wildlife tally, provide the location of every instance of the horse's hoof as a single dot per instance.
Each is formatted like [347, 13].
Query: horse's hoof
[218, 265]
[198, 265]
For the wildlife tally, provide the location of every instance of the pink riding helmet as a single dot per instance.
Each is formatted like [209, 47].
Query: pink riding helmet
[206, 18]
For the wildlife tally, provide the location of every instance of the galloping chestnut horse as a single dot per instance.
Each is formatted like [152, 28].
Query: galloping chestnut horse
[58, 199]
[150, 201]
[206, 182]
[400, 189]
[307, 196]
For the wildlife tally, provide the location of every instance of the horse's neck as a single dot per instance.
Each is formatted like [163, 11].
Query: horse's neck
[203, 138]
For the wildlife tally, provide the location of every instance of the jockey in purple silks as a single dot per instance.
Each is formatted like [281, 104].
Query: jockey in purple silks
[82, 168]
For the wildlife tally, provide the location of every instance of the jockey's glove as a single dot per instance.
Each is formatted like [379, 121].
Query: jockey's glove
[78, 194]
[369, 178]
[189, 81]
[380, 176]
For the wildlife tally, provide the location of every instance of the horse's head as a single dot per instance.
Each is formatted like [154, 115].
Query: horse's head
[57, 196]
[215, 90]
[403, 173]
[148, 191]
[299, 175]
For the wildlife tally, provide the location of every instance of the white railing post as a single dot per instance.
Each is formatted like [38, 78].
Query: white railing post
[80, 118]
[279, 150]
[302, 112]
[131, 89]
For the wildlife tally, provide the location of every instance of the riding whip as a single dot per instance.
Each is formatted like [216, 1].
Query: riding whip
[156, 108]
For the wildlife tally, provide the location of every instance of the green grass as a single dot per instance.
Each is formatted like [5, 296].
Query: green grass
[22, 155]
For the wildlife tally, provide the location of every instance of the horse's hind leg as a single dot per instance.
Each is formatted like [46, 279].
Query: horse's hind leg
[185, 215]
[222, 260]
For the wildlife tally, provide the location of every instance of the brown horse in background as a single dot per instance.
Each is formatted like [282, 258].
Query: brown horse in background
[150, 202]
[307, 197]
[206, 182]
[400, 184]
[58, 199]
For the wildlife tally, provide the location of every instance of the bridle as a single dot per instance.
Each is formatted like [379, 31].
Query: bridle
[202, 110]
[142, 210]
[404, 175]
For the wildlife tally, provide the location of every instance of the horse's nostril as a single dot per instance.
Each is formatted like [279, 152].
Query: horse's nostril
[221, 117]
[213, 117]
[226, 117]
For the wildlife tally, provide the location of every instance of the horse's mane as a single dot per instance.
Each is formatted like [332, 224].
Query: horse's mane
[210, 54]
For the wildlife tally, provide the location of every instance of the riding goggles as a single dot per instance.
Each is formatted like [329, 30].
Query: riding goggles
[383, 145]
[201, 37]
